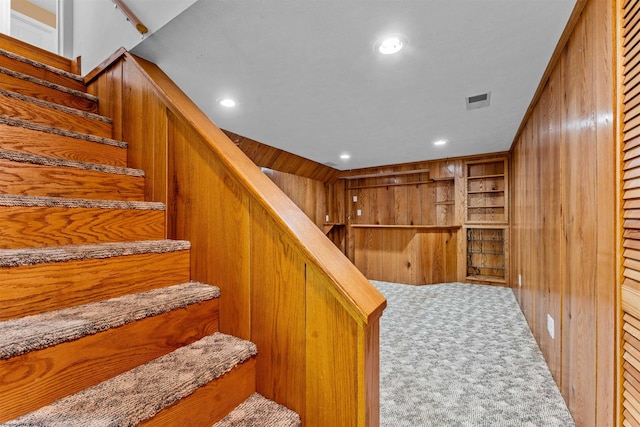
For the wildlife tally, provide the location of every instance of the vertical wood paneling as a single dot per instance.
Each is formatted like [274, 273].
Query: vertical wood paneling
[563, 222]
[252, 241]
[196, 191]
[279, 334]
[333, 405]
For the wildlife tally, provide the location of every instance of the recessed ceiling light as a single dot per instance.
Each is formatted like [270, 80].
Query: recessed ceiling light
[345, 156]
[390, 44]
[227, 102]
[440, 142]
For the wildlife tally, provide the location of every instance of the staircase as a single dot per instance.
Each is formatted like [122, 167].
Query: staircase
[100, 323]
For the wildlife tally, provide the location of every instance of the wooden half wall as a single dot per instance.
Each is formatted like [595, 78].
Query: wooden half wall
[564, 227]
[313, 316]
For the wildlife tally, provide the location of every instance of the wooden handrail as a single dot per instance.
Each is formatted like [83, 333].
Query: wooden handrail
[356, 293]
[284, 284]
[131, 17]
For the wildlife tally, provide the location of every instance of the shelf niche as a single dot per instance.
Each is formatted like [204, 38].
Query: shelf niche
[487, 192]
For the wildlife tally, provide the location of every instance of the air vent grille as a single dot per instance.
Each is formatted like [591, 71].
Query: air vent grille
[478, 101]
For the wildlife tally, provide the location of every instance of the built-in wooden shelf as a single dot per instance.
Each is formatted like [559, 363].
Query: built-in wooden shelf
[490, 279]
[399, 184]
[328, 226]
[448, 202]
[421, 227]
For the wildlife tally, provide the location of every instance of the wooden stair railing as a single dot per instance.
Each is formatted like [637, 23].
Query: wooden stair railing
[284, 285]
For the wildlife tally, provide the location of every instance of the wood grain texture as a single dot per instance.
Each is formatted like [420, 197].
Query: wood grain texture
[38, 180]
[46, 93]
[563, 223]
[41, 73]
[278, 281]
[34, 226]
[212, 188]
[45, 287]
[25, 110]
[415, 256]
[207, 207]
[35, 53]
[60, 147]
[330, 400]
[279, 160]
[210, 403]
[40, 377]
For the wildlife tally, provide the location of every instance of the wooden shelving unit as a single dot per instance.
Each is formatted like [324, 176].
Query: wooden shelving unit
[487, 255]
[486, 221]
[487, 192]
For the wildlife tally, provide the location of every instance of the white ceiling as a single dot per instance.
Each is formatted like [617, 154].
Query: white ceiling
[308, 81]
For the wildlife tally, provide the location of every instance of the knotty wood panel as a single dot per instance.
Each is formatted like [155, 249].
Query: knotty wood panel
[406, 255]
[563, 223]
[70, 367]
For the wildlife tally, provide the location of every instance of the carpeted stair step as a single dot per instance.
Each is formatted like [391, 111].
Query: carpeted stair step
[32, 86]
[37, 280]
[33, 138]
[71, 349]
[24, 107]
[33, 175]
[260, 411]
[40, 70]
[35, 53]
[31, 221]
[166, 387]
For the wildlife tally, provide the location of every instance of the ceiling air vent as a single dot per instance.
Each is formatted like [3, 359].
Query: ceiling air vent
[478, 101]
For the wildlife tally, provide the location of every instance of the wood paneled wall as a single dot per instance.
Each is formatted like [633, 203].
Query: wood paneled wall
[563, 221]
[313, 316]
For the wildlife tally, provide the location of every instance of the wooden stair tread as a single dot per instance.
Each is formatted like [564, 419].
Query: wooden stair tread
[260, 411]
[139, 394]
[41, 70]
[47, 286]
[11, 121]
[34, 221]
[36, 159]
[15, 81]
[41, 377]
[23, 335]
[31, 256]
[28, 108]
[18, 200]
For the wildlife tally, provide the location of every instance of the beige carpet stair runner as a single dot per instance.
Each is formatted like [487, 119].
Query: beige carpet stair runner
[142, 392]
[40, 65]
[22, 335]
[64, 202]
[35, 159]
[258, 411]
[5, 120]
[128, 397]
[41, 82]
[31, 256]
[64, 108]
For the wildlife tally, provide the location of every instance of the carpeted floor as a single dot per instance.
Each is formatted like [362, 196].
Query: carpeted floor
[462, 355]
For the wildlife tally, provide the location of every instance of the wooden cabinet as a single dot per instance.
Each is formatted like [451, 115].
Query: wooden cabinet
[487, 191]
[487, 255]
